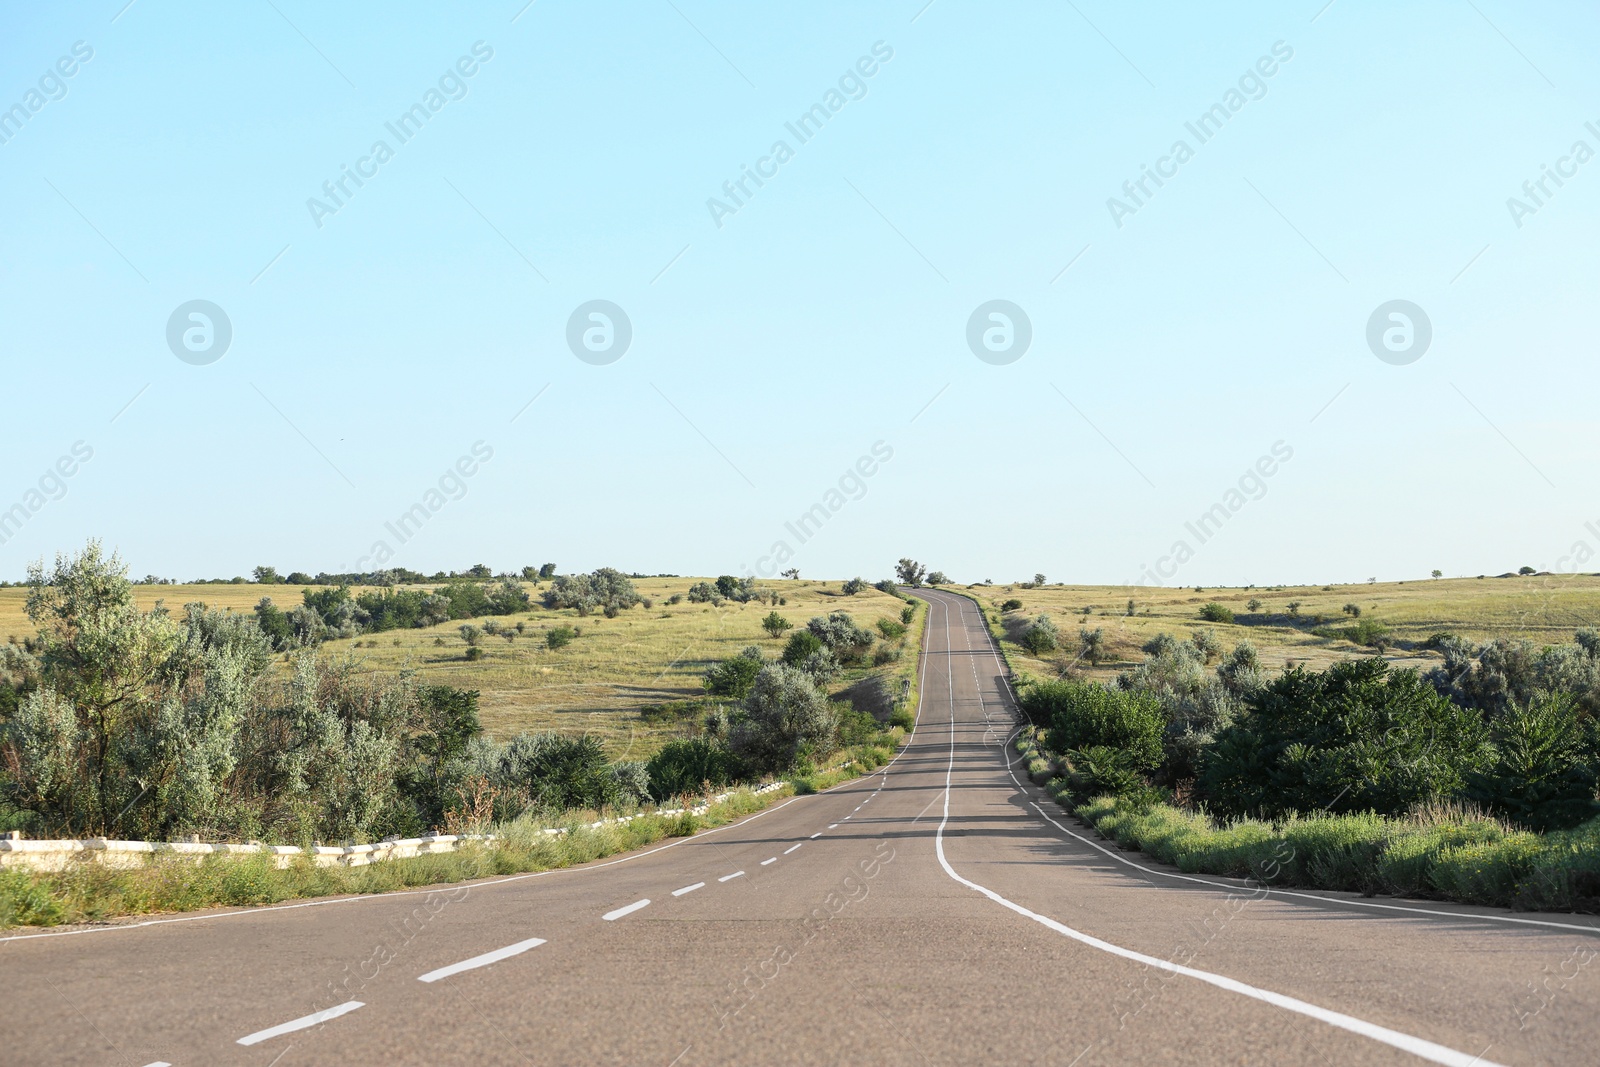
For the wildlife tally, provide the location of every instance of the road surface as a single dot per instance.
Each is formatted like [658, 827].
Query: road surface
[940, 911]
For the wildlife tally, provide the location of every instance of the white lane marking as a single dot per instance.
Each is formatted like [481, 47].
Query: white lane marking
[158, 1063]
[1011, 766]
[772, 860]
[731, 877]
[791, 848]
[303, 1023]
[688, 889]
[1405, 1042]
[816, 835]
[482, 961]
[613, 916]
[833, 826]
[845, 819]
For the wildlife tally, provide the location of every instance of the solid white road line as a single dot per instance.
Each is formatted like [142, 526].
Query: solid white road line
[688, 889]
[613, 916]
[1393, 1038]
[158, 1063]
[791, 848]
[772, 860]
[731, 877]
[303, 1023]
[482, 961]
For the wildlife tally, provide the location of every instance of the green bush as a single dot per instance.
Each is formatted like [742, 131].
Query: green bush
[908, 613]
[1544, 775]
[688, 765]
[1356, 737]
[733, 677]
[802, 644]
[904, 718]
[1011, 605]
[1214, 612]
[890, 629]
[559, 637]
[1085, 715]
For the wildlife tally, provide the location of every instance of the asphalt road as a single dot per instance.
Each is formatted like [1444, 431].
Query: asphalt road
[939, 912]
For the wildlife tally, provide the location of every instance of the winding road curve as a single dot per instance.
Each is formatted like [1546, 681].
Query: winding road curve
[940, 911]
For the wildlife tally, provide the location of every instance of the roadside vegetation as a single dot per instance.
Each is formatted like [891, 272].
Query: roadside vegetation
[128, 722]
[1473, 781]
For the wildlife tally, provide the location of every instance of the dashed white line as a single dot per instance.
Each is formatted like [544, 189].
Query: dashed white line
[613, 916]
[158, 1063]
[815, 835]
[482, 961]
[731, 877]
[791, 848]
[833, 826]
[303, 1023]
[772, 860]
[688, 889]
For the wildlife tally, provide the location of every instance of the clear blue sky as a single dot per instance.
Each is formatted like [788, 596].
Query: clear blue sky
[373, 345]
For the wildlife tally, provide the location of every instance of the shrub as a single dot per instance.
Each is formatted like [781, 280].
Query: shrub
[938, 578]
[559, 637]
[1254, 604]
[702, 593]
[904, 718]
[908, 613]
[887, 585]
[1205, 643]
[1092, 645]
[1358, 736]
[606, 588]
[1545, 771]
[852, 587]
[474, 653]
[471, 634]
[782, 715]
[890, 629]
[689, 765]
[1353, 610]
[802, 644]
[776, 624]
[1214, 612]
[1082, 715]
[1011, 605]
[1041, 636]
[733, 677]
[840, 635]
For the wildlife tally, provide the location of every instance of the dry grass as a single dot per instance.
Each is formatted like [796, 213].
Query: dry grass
[597, 683]
[1545, 609]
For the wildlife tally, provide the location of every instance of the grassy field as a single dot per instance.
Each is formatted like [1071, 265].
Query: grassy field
[598, 683]
[1545, 609]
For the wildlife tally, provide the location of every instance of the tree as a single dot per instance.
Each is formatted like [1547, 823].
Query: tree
[802, 643]
[1092, 645]
[793, 574]
[102, 665]
[530, 574]
[1526, 570]
[775, 625]
[547, 571]
[1437, 573]
[910, 572]
[938, 578]
[1038, 579]
[1254, 604]
[852, 587]
[266, 576]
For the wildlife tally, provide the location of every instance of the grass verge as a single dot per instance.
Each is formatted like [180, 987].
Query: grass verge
[1445, 852]
[89, 892]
